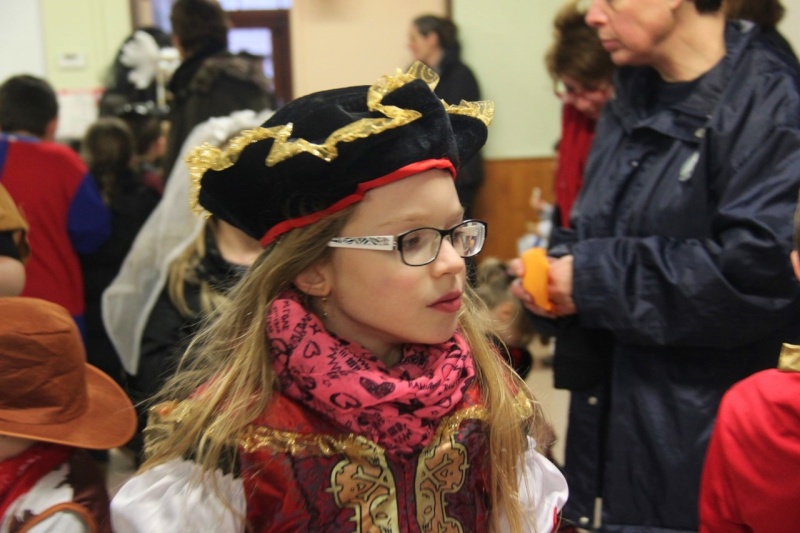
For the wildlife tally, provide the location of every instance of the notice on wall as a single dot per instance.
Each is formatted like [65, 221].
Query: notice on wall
[77, 110]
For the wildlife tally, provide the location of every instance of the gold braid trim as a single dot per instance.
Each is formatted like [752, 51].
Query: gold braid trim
[208, 157]
[294, 444]
[164, 417]
[298, 444]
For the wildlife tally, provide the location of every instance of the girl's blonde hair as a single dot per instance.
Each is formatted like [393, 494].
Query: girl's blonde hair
[227, 369]
[184, 268]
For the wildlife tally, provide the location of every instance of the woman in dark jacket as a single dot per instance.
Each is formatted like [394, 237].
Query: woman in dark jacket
[434, 41]
[677, 265]
[108, 149]
[210, 81]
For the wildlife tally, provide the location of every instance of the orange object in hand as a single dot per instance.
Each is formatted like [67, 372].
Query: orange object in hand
[534, 281]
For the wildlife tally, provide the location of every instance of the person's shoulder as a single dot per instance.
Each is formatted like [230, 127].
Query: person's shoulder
[462, 70]
[770, 386]
[760, 53]
[227, 67]
[765, 83]
[48, 158]
[59, 154]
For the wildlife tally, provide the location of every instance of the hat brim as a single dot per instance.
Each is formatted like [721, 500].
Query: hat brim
[109, 420]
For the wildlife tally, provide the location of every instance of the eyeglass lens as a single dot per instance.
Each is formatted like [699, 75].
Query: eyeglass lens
[421, 246]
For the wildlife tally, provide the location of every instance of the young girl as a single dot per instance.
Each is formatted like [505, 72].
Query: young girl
[107, 149]
[348, 384]
[178, 268]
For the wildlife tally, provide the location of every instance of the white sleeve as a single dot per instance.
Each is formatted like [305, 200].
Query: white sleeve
[542, 492]
[179, 496]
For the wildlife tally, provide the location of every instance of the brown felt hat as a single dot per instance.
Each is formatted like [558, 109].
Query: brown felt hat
[47, 390]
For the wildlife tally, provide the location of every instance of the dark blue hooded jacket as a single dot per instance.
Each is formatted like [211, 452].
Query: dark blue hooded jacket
[682, 279]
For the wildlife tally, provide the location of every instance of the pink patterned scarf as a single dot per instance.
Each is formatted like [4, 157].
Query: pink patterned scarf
[399, 407]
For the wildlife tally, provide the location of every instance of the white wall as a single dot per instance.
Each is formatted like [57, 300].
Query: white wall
[21, 39]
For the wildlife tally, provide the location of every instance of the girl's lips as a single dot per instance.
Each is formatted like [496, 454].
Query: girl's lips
[449, 303]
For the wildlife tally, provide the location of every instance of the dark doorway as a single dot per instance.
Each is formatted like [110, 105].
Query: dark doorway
[259, 28]
[266, 34]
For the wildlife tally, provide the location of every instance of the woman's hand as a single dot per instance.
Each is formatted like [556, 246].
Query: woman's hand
[516, 268]
[559, 287]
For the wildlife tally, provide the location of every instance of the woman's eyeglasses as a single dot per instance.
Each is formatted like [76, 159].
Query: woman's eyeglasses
[421, 246]
[569, 94]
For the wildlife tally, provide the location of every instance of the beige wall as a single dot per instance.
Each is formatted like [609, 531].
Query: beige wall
[336, 43]
[790, 25]
[346, 42]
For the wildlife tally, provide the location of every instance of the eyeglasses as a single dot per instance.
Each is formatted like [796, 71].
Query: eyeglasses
[421, 246]
[569, 94]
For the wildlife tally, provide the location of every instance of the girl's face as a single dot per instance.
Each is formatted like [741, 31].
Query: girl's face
[377, 300]
[632, 31]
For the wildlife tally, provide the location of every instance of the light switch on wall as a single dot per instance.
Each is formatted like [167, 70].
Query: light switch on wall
[71, 60]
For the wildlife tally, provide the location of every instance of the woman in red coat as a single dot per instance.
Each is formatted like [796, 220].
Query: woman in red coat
[581, 71]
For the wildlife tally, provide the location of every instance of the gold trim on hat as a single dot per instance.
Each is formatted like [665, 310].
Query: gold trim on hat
[208, 157]
[483, 110]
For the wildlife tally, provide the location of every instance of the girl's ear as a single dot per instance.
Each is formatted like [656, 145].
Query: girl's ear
[315, 280]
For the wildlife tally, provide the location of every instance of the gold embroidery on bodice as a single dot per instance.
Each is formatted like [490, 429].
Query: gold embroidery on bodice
[363, 481]
[366, 485]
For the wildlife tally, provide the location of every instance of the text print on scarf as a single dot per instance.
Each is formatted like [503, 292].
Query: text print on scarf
[399, 408]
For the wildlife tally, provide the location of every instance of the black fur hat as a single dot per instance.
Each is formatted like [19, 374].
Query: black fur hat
[324, 151]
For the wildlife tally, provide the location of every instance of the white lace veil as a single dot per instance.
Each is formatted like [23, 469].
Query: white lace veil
[171, 227]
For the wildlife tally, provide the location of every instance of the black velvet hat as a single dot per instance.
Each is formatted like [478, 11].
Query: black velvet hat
[324, 151]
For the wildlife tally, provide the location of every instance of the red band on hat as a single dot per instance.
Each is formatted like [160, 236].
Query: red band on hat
[403, 172]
